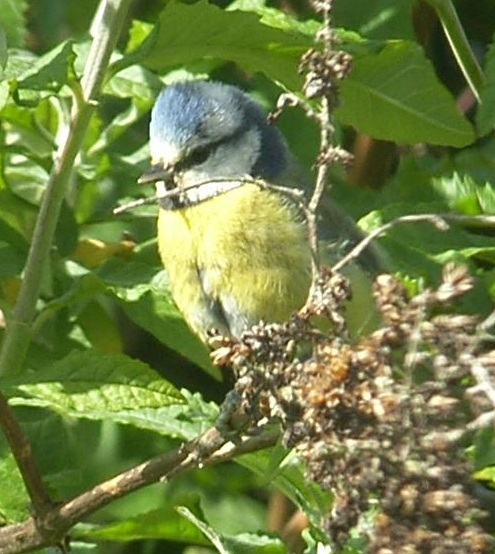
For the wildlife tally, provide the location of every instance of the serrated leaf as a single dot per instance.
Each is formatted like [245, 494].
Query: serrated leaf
[464, 195]
[394, 95]
[214, 33]
[89, 384]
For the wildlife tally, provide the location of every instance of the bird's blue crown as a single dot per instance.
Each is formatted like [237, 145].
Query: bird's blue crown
[191, 114]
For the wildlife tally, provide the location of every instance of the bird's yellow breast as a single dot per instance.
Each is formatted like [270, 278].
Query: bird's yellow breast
[236, 259]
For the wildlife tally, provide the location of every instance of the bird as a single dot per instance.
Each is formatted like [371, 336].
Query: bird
[236, 253]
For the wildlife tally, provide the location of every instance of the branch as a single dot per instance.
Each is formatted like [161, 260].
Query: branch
[21, 450]
[210, 448]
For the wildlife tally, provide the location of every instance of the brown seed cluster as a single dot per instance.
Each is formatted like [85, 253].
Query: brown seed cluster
[378, 422]
[323, 70]
[325, 66]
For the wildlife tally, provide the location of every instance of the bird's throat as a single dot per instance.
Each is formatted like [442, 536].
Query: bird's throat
[179, 197]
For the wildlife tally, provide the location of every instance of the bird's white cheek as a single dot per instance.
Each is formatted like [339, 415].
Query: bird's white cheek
[164, 152]
[160, 188]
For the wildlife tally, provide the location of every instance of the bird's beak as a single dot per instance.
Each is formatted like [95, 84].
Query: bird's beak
[157, 172]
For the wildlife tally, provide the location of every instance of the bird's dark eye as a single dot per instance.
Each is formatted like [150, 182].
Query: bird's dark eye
[198, 156]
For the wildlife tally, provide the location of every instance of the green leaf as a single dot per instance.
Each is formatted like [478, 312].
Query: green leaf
[162, 523]
[89, 384]
[134, 82]
[486, 474]
[32, 132]
[485, 115]
[464, 195]
[286, 472]
[214, 33]
[141, 87]
[100, 328]
[11, 260]
[53, 449]
[244, 543]
[14, 501]
[394, 95]
[377, 19]
[483, 451]
[33, 78]
[151, 306]
[12, 20]
[16, 214]
[275, 18]
[26, 179]
[3, 49]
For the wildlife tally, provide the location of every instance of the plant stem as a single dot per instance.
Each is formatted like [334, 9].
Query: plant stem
[459, 44]
[106, 28]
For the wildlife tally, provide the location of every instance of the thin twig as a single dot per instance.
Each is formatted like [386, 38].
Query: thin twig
[210, 448]
[319, 189]
[438, 220]
[296, 195]
[22, 452]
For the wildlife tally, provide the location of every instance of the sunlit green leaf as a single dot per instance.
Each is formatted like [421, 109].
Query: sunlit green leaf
[394, 95]
[214, 33]
[32, 78]
[93, 384]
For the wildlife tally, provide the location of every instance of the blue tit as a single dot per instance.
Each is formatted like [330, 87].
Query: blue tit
[236, 253]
